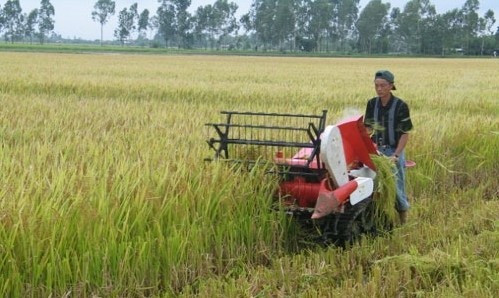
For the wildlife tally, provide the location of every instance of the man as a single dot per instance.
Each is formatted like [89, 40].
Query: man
[388, 120]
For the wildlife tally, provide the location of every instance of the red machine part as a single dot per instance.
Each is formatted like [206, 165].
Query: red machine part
[357, 144]
[357, 147]
[300, 192]
[331, 200]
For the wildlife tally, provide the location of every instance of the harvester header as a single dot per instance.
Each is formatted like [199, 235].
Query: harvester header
[325, 172]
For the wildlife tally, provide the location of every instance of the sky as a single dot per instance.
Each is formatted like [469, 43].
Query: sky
[73, 18]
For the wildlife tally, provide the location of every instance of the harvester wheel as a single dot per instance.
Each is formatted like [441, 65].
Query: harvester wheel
[368, 224]
[355, 221]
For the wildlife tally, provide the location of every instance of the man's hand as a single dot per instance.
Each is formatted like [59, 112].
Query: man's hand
[394, 158]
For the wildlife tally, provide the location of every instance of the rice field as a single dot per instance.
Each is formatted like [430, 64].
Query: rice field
[104, 191]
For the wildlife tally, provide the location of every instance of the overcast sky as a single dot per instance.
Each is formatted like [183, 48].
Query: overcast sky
[73, 17]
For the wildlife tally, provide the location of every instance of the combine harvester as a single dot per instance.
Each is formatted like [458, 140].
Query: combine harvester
[326, 174]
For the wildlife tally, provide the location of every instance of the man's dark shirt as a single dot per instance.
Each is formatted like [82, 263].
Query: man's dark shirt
[402, 121]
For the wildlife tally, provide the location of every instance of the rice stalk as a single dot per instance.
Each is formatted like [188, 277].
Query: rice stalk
[385, 192]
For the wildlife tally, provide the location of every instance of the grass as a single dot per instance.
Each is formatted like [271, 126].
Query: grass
[104, 191]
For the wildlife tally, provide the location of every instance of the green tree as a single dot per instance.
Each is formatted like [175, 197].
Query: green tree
[30, 26]
[13, 20]
[126, 25]
[432, 34]
[471, 23]
[183, 21]
[489, 21]
[345, 15]
[216, 21]
[133, 12]
[225, 17]
[174, 21]
[143, 23]
[450, 26]
[164, 21]
[397, 43]
[45, 20]
[320, 16]
[201, 23]
[103, 10]
[285, 21]
[486, 31]
[2, 19]
[413, 22]
[371, 25]
[263, 14]
[246, 22]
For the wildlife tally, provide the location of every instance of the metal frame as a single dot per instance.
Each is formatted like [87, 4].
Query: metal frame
[224, 138]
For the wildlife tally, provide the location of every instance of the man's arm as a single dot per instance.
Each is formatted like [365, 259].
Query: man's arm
[404, 138]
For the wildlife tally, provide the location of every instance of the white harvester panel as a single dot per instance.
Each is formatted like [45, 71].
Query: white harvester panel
[333, 155]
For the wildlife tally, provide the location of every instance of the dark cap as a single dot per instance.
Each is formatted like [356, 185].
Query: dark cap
[385, 75]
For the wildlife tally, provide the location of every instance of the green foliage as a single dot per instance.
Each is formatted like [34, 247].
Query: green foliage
[103, 9]
[12, 20]
[126, 24]
[385, 194]
[370, 25]
[45, 21]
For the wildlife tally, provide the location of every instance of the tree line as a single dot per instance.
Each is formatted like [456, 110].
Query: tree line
[282, 25]
[17, 25]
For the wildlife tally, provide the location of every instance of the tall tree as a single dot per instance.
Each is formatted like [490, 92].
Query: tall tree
[450, 26]
[397, 43]
[13, 20]
[164, 21]
[471, 22]
[489, 21]
[45, 20]
[345, 14]
[246, 22]
[413, 22]
[126, 24]
[134, 15]
[486, 31]
[103, 10]
[320, 15]
[263, 14]
[31, 22]
[173, 20]
[371, 24]
[183, 21]
[143, 23]
[216, 21]
[225, 16]
[2, 19]
[202, 24]
[285, 21]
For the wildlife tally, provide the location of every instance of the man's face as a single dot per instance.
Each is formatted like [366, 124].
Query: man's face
[383, 87]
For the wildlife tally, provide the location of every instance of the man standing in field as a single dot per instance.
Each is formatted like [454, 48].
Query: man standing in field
[389, 122]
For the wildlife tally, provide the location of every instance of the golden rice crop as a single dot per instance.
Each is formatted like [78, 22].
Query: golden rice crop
[104, 190]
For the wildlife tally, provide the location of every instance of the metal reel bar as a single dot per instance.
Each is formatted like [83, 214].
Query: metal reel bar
[255, 136]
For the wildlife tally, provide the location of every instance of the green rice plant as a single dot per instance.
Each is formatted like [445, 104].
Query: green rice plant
[385, 214]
